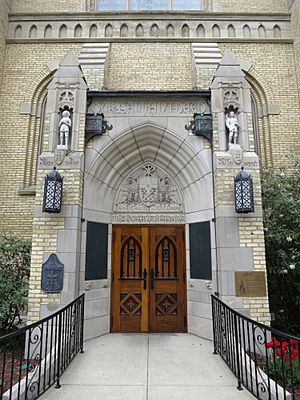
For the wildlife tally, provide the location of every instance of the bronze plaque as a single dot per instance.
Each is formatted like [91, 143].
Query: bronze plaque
[250, 284]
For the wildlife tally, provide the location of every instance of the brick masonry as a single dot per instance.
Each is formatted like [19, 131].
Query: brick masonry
[26, 69]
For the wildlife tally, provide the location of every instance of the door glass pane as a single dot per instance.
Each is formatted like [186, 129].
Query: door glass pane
[149, 4]
[109, 5]
[187, 4]
[165, 259]
[131, 259]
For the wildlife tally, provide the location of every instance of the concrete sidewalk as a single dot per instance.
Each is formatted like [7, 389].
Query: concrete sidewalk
[147, 367]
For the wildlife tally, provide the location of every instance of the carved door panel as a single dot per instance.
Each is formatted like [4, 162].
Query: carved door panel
[148, 279]
[129, 283]
[167, 279]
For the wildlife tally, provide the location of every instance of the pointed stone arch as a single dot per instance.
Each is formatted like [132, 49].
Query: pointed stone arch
[262, 31]
[124, 30]
[78, 31]
[216, 31]
[170, 30]
[32, 108]
[185, 31]
[264, 105]
[63, 31]
[93, 31]
[246, 31]
[154, 31]
[108, 31]
[33, 32]
[231, 31]
[18, 32]
[109, 164]
[48, 31]
[200, 31]
[139, 30]
[276, 32]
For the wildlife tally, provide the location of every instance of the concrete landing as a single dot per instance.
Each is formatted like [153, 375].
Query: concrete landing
[147, 367]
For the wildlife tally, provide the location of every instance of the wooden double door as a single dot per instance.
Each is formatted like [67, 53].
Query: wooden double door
[148, 279]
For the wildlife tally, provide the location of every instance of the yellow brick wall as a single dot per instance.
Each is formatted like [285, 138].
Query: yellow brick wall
[252, 235]
[4, 9]
[45, 238]
[42, 6]
[295, 10]
[150, 66]
[23, 63]
[275, 63]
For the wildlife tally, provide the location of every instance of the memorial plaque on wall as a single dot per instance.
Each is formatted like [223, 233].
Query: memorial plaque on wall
[52, 275]
[250, 284]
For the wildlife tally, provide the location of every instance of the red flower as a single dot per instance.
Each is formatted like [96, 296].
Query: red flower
[294, 355]
[286, 358]
[293, 341]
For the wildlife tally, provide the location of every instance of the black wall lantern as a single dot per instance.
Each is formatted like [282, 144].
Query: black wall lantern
[53, 192]
[243, 191]
[96, 124]
[201, 125]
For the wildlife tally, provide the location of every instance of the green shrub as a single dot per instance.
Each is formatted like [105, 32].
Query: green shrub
[281, 204]
[14, 274]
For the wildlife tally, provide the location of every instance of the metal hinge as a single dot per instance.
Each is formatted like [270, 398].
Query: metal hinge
[112, 321]
[112, 276]
[113, 236]
[184, 277]
[185, 321]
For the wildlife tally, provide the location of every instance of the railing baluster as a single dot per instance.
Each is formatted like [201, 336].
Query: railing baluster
[11, 372]
[58, 385]
[238, 366]
[266, 368]
[3, 373]
[47, 347]
[82, 325]
[20, 373]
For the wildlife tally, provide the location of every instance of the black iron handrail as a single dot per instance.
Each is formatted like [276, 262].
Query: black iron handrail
[34, 357]
[266, 361]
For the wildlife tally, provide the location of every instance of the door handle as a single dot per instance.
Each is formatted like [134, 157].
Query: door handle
[145, 278]
[152, 278]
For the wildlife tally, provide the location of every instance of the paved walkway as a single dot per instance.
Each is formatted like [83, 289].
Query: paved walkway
[147, 367]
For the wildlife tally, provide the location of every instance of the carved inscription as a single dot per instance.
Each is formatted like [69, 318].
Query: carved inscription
[227, 161]
[148, 219]
[148, 107]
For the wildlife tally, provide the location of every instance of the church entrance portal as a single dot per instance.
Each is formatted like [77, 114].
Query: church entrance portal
[148, 279]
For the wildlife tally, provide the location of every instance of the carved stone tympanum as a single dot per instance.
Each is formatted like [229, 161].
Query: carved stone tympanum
[148, 190]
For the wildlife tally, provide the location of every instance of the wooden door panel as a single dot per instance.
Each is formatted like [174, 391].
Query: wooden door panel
[148, 287]
[167, 293]
[129, 294]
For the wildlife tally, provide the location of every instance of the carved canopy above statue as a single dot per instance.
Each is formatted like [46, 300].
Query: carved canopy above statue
[148, 189]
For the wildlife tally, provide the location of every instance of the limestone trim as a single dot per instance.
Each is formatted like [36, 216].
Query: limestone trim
[262, 94]
[140, 26]
[32, 109]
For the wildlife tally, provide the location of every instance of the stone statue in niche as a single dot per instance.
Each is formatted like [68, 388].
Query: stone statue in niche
[65, 125]
[232, 124]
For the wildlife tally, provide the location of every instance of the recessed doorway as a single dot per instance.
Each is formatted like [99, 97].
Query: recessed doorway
[148, 279]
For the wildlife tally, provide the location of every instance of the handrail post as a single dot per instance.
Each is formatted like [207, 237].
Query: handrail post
[82, 325]
[238, 366]
[213, 304]
[58, 385]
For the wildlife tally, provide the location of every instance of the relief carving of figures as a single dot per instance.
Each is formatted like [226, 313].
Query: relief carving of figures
[148, 190]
